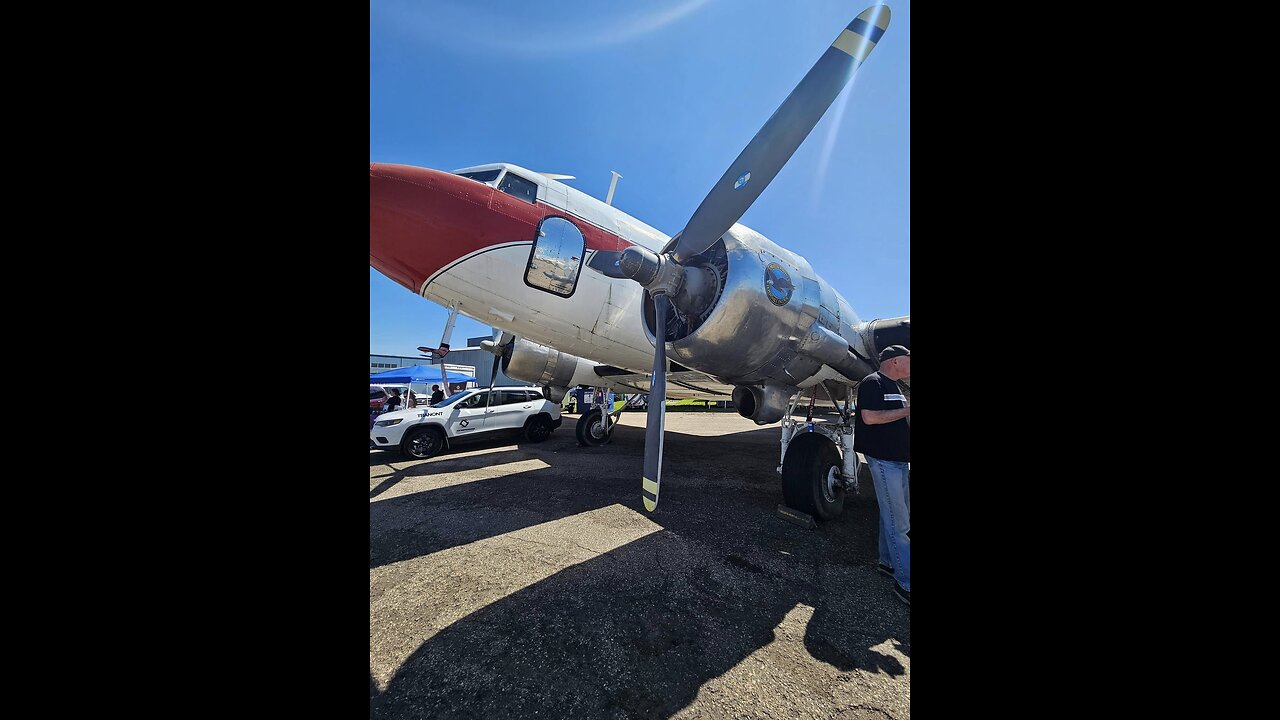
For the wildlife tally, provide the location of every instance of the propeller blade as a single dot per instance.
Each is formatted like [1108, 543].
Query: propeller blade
[497, 358]
[777, 141]
[657, 413]
[493, 375]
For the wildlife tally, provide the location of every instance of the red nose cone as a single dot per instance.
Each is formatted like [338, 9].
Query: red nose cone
[422, 221]
[403, 220]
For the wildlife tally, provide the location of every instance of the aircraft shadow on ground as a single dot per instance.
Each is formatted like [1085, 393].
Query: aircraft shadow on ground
[425, 522]
[638, 630]
[401, 468]
[625, 442]
[410, 526]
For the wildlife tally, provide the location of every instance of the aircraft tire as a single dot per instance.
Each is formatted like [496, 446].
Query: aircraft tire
[590, 430]
[807, 476]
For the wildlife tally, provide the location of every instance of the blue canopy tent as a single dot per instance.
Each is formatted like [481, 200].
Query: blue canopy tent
[416, 373]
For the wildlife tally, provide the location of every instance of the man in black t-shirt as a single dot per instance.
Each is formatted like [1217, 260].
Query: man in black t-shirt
[436, 394]
[882, 434]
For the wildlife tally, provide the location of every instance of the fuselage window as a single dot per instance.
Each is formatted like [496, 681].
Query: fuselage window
[484, 176]
[515, 185]
[556, 257]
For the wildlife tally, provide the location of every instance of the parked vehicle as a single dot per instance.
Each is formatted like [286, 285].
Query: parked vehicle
[426, 431]
[378, 395]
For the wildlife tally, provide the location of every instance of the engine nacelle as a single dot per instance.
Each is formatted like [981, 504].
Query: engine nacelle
[770, 322]
[764, 404]
[540, 365]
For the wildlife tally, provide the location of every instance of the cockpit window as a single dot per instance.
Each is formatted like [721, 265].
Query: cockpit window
[484, 176]
[513, 184]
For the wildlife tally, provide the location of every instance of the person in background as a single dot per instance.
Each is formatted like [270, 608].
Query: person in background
[394, 401]
[882, 433]
[436, 394]
[413, 399]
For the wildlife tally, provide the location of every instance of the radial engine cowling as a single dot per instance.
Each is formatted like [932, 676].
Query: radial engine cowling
[754, 314]
[540, 365]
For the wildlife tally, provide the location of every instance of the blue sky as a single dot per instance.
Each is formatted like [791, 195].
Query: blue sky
[666, 92]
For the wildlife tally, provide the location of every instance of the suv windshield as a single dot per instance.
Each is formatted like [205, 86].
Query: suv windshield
[453, 398]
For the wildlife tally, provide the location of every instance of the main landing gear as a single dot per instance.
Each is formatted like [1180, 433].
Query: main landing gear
[818, 464]
[595, 427]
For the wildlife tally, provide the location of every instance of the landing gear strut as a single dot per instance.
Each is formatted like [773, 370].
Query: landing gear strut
[818, 464]
[591, 429]
[595, 427]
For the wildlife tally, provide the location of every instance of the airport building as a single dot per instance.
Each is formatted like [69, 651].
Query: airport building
[470, 360]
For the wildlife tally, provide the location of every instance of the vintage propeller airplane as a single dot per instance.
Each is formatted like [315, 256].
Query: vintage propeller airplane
[584, 294]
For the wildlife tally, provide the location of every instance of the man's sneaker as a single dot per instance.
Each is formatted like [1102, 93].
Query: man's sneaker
[903, 595]
[886, 570]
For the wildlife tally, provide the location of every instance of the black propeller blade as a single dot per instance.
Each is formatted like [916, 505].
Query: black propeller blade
[777, 141]
[657, 413]
[493, 370]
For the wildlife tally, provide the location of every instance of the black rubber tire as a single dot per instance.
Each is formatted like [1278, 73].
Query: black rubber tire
[810, 459]
[589, 429]
[422, 443]
[538, 428]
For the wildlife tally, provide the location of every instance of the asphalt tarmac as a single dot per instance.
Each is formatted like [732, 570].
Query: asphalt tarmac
[510, 579]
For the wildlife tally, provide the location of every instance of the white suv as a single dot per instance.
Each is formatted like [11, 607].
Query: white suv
[425, 431]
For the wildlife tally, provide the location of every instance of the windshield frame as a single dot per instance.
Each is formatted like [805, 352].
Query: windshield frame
[492, 182]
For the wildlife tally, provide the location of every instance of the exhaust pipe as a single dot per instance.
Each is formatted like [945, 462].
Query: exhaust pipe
[765, 404]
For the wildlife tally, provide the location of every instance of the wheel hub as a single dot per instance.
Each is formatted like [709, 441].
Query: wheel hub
[423, 444]
[833, 482]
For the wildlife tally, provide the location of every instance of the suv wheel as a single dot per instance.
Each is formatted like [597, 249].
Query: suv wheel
[422, 443]
[537, 429]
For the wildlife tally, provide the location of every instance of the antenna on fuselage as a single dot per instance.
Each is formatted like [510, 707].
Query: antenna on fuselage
[612, 184]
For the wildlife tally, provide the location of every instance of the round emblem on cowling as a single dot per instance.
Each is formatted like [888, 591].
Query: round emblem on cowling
[777, 284]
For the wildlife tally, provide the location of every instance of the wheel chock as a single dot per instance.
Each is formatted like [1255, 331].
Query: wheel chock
[791, 515]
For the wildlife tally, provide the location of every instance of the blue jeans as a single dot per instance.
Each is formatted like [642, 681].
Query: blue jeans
[894, 496]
